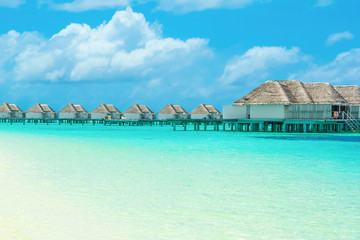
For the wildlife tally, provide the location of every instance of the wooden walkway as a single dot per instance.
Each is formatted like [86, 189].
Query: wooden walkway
[242, 125]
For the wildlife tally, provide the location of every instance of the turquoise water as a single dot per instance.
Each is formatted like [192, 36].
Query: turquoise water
[97, 182]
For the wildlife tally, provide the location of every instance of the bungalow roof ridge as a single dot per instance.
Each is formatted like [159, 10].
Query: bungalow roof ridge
[204, 106]
[138, 107]
[106, 107]
[306, 92]
[282, 89]
[40, 107]
[173, 108]
[8, 107]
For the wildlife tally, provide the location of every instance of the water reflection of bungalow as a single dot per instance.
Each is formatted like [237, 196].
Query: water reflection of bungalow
[106, 111]
[206, 112]
[173, 112]
[290, 99]
[41, 111]
[139, 112]
[10, 111]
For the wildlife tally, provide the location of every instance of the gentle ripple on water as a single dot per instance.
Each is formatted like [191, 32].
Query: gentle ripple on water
[86, 182]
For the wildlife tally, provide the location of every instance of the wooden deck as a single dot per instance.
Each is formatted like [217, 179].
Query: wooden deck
[242, 125]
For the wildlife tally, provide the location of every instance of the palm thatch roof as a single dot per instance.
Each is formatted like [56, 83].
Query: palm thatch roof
[323, 93]
[292, 92]
[40, 108]
[205, 109]
[72, 108]
[106, 109]
[350, 93]
[172, 109]
[7, 107]
[136, 108]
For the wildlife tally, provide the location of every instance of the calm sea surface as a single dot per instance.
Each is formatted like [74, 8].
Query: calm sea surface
[140, 183]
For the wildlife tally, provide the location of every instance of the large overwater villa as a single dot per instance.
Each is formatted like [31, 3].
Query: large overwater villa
[139, 112]
[41, 111]
[172, 111]
[294, 100]
[8, 110]
[106, 111]
[73, 111]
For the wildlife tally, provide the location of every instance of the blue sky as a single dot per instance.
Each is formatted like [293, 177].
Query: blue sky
[156, 52]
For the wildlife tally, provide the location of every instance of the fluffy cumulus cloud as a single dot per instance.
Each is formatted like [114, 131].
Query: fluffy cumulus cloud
[257, 62]
[126, 47]
[336, 37]
[345, 69]
[11, 3]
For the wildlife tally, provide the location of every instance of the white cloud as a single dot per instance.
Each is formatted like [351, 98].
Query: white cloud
[324, 3]
[126, 47]
[256, 62]
[345, 69]
[85, 5]
[183, 6]
[11, 3]
[333, 38]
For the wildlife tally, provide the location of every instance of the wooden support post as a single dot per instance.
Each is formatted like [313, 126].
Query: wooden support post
[224, 126]
[174, 126]
[284, 127]
[185, 126]
[261, 127]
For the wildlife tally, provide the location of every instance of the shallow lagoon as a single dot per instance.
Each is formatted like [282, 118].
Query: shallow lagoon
[102, 182]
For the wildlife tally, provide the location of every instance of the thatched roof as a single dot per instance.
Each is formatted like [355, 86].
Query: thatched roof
[72, 108]
[350, 93]
[6, 107]
[323, 93]
[205, 109]
[40, 108]
[292, 92]
[106, 109]
[172, 109]
[136, 108]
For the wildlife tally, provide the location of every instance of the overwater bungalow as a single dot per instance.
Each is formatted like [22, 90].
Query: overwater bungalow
[173, 112]
[139, 112]
[205, 112]
[291, 99]
[73, 111]
[8, 110]
[352, 95]
[106, 111]
[41, 111]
